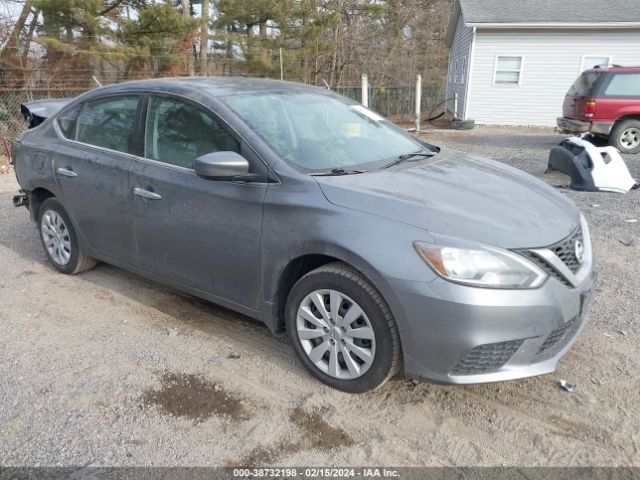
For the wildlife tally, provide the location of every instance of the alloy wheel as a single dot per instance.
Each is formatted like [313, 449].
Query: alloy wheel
[630, 138]
[56, 237]
[336, 334]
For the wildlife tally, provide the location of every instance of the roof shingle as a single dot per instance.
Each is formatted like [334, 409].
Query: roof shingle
[550, 11]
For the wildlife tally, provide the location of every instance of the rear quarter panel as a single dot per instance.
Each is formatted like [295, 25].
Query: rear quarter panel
[34, 159]
[610, 109]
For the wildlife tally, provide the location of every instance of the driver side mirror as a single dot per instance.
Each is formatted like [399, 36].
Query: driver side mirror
[222, 166]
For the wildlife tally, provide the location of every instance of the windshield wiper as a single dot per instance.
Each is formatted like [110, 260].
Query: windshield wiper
[337, 171]
[408, 156]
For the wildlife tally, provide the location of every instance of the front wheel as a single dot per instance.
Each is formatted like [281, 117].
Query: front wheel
[342, 329]
[60, 240]
[625, 136]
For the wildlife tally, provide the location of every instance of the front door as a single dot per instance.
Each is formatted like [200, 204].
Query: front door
[199, 232]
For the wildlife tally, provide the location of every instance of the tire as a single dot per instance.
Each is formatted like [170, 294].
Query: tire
[60, 241]
[372, 360]
[625, 136]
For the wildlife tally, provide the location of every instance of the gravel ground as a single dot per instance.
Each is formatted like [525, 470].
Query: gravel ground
[107, 368]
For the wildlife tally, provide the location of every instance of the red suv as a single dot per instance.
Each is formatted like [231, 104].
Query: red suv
[605, 102]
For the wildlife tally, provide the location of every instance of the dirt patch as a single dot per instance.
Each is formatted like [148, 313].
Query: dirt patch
[317, 435]
[318, 430]
[193, 397]
[105, 295]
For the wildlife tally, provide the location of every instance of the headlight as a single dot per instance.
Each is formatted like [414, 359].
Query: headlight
[481, 266]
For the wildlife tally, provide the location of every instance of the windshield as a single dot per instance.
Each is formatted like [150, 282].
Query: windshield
[584, 84]
[320, 132]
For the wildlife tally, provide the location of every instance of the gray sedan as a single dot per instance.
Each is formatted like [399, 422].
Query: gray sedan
[373, 251]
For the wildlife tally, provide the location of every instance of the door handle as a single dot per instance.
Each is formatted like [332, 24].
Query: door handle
[141, 192]
[66, 172]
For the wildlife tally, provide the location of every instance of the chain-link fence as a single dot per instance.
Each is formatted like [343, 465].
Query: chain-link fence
[398, 102]
[11, 121]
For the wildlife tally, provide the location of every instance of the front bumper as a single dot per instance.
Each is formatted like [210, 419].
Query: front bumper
[463, 335]
[580, 126]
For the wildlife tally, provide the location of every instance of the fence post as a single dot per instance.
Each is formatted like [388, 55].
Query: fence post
[365, 90]
[418, 101]
[455, 106]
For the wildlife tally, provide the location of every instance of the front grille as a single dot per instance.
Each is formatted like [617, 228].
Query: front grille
[486, 358]
[556, 340]
[546, 267]
[565, 250]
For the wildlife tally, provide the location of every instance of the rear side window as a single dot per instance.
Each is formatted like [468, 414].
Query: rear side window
[67, 122]
[624, 85]
[110, 123]
[178, 132]
[584, 84]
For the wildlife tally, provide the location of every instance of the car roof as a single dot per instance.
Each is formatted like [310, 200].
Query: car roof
[212, 86]
[615, 69]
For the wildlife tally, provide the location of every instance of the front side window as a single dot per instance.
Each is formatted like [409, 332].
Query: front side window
[110, 123]
[319, 132]
[67, 122]
[508, 70]
[624, 85]
[178, 132]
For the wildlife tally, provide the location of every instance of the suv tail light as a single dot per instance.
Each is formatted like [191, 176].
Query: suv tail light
[589, 108]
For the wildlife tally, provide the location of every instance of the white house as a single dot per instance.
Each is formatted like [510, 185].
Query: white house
[512, 61]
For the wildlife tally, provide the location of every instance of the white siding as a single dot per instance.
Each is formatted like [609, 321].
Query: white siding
[459, 53]
[552, 62]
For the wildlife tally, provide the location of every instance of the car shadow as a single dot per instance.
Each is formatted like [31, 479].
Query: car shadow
[157, 306]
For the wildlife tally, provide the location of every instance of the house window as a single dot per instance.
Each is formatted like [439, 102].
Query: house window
[508, 70]
[457, 72]
[591, 61]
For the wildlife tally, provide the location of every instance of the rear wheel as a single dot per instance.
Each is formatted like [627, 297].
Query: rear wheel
[625, 136]
[60, 241]
[342, 329]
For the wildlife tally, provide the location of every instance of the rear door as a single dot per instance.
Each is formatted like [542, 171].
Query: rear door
[199, 232]
[92, 169]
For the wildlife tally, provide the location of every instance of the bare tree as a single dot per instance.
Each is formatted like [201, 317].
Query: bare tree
[13, 42]
[186, 13]
[204, 38]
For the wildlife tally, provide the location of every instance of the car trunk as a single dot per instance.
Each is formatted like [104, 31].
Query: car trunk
[575, 102]
[38, 111]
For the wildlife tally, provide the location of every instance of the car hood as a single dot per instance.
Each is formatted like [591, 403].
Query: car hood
[460, 195]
